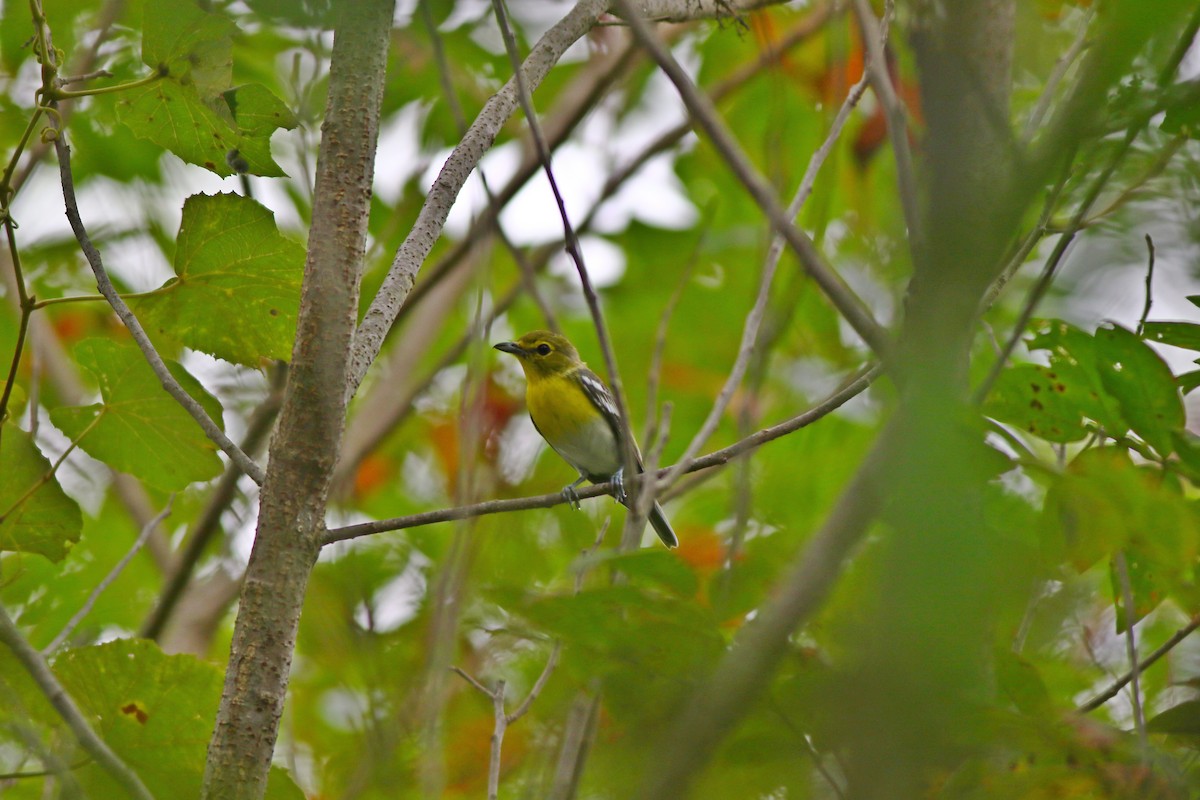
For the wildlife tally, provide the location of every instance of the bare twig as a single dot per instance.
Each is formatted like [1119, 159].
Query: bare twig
[874, 35]
[1061, 66]
[1121, 682]
[718, 457]
[460, 122]
[571, 240]
[839, 293]
[207, 522]
[36, 666]
[1149, 286]
[400, 278]
[1139, 719]
[754, 319]
[189, 403]
[108, 579]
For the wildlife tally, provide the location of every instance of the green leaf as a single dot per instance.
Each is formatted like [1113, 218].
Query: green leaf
[1020, 681]
[1104, 503]
[33, 518]
[139, 428]
[1143, 385]
[1181, 719]
[258, 113]
[1177, 334]
[192, 111]
[1188, 381]
[653, 566]
[1145, 585]
[174, 117]
[1075, 362]
[194, 46]
[1038, 400]
[154, 710]
[237, 290]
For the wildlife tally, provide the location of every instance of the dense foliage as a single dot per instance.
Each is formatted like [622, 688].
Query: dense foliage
[995, 657]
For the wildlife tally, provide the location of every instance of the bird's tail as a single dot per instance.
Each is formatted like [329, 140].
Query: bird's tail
[658, 521]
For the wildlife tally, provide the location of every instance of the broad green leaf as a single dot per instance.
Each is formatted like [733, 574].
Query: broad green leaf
[174, 117]
[138, 428]
[1039, 400]
[1188, 381]
[1075, 362]
[1177, 334]
[194, 46]
[1143, 384]
[1105, 503]
[257, 113]
[192, 111]
[649, 566]
[236, 293]
[1180, 719]
[36, 516]
[1021, 683]
[154, 710]
[1146, 586]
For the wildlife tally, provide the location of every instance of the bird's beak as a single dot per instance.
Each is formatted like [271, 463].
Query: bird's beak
[510, 347]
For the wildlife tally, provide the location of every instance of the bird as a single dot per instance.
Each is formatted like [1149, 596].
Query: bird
[574, 411]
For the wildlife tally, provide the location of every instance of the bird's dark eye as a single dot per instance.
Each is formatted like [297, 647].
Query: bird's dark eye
[543, 349]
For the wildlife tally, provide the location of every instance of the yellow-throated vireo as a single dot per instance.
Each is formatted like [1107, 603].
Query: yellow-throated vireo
[575, 413]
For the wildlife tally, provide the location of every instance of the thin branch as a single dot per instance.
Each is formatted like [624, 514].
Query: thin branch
[112, 575]
[207, 522]
[1121, 682]
[571, 239]
[718, 457]
[839, 293]
[1061, 66]
[36, 666]
[874, 36]
[380, 421]
[1139, 719]
[1054, 260]
[729, 692]
[460, 122]
[425, 231]
[189, 403]
[1149, 286]
[750, 327]
[676, 11]
[1136, 126]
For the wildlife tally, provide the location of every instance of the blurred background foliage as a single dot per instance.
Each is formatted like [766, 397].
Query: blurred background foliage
[1091, 453]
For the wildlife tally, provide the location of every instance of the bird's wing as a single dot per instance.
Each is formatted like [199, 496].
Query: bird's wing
[600, 395]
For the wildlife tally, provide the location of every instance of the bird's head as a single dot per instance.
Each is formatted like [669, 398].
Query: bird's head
[542, 352]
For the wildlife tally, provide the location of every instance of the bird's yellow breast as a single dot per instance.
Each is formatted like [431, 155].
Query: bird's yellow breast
[571, 425]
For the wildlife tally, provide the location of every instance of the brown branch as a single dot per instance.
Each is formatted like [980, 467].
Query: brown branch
[839, 293]
[208, 522]
[172, 386]
[716, 458]
[874, 36]
[305, 447]
[1147, 662]
[425, 231]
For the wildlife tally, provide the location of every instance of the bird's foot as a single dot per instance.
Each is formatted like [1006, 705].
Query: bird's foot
[571, 496]
[618, 482]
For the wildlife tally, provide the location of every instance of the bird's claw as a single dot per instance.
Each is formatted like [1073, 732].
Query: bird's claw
[618, 482]
[571, 496]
